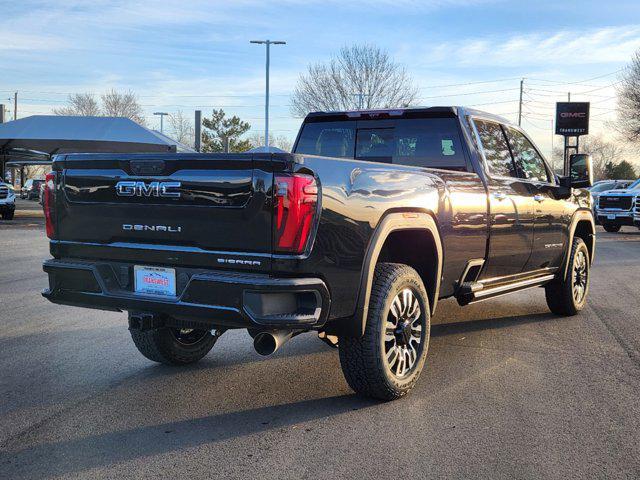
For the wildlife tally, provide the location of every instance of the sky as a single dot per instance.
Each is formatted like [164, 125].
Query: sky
[193, 54]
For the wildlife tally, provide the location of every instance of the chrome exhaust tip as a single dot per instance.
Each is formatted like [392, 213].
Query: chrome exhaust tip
[266, 343]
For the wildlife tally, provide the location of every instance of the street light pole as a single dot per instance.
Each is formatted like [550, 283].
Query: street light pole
[162, 114]
[268, 44]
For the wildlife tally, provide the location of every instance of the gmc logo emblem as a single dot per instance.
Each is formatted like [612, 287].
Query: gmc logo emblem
[573, 114]
[151, 189]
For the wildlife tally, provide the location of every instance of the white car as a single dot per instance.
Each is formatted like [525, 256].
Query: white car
[7, 201]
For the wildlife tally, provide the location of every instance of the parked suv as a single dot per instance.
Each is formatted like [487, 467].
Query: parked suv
[7, 201]
[356, 235]
[617, 208]
[31, 189]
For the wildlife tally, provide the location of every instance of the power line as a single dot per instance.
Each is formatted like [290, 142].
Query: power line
[579, 81]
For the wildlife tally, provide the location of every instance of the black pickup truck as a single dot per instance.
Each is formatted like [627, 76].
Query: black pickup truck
[356, 235]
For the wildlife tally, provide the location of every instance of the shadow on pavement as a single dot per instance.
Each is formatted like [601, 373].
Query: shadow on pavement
[456, 328]
[64, 458]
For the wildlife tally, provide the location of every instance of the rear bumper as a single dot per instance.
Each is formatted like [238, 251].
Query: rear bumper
[209, 297]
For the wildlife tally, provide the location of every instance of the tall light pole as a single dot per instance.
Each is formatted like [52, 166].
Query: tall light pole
[162, 114]
[268, 43]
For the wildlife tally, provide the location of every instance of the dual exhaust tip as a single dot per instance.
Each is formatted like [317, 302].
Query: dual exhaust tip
[266, 343]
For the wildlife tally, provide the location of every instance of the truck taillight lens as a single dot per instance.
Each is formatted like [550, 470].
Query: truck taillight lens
[296, 199]
[49, 203]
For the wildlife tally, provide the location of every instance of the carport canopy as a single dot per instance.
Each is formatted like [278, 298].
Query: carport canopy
[53, 134]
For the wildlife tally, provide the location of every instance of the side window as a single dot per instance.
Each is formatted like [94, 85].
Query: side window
[496, 149]
[526, 157]
[431, 142]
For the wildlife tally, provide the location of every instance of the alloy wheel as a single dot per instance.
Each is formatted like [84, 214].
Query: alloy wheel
[404, 333]
[580, 277]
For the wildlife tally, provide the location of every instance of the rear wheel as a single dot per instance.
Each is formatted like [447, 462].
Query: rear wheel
[611, 227]
[386, 362]
[173, 346]
[8, 215]
[568, 296]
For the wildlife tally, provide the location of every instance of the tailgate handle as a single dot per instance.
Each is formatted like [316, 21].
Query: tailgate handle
[147, 167]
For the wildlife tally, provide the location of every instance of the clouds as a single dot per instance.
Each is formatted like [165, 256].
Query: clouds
[183, 54]
[552, 48]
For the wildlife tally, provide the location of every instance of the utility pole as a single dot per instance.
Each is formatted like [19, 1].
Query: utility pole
[568, 96]
[520, 103]
[268, 44]
[15, 106]
[553, 161]
[1, 112]
[198, 122]
[360, 96]
[162, 114]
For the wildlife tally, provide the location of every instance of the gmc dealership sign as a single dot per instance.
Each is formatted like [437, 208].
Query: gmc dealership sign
[572, 118]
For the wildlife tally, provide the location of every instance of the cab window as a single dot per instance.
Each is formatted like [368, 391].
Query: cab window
[420, 142]
[328, 139]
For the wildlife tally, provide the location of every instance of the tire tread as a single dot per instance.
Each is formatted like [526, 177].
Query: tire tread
[359, 357]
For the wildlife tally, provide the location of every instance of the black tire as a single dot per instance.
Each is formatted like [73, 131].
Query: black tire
[8, 215]
[365, 361]
[560, 294]
[173, 346]
[609, 227]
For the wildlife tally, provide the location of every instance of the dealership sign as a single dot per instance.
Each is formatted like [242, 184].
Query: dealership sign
[572, 118]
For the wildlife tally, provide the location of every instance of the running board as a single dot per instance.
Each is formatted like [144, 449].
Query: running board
[473, 292]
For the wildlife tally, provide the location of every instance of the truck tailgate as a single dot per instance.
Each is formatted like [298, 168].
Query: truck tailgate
[205, 203]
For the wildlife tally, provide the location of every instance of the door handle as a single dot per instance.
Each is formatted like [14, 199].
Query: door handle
[539, 198]
[499, 195]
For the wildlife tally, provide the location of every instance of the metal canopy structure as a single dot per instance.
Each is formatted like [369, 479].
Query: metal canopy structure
[32, 140]
[54, 134]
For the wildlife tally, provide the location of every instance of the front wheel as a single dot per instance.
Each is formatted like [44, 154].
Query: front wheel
[173, 346]
[8, 215]
[386, 362]
[567, 296]
[611, 227]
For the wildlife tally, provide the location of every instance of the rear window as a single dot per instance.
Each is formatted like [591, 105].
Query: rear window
[426, 142]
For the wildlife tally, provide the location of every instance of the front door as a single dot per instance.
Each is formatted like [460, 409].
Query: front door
[511, 205]
[549, 232]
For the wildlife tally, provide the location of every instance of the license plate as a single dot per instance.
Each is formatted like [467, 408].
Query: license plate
[155, 280]
[611, 217]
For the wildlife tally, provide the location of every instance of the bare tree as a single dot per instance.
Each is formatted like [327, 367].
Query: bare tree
[79, 104]
[183, 130]
[629, 101]
[115, 104]
[360, 76]
[281, 142]
[602, 152]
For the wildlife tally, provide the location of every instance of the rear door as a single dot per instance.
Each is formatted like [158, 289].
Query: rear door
[549, 230]
[199, 203]
[511, 210]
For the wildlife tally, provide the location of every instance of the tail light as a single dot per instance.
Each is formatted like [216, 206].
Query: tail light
[49, 203]
[296, 203]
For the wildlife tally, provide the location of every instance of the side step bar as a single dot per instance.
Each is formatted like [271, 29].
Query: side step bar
[472, 292]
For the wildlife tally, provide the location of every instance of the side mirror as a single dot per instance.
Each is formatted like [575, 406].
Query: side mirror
[580, 170]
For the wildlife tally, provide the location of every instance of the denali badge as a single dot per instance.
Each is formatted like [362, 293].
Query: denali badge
[152, 189]
[151, 228]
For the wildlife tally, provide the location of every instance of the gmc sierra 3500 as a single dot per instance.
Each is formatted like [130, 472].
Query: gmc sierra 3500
[374, 217]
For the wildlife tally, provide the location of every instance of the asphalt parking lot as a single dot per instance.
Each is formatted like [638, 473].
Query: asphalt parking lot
[518, 393]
